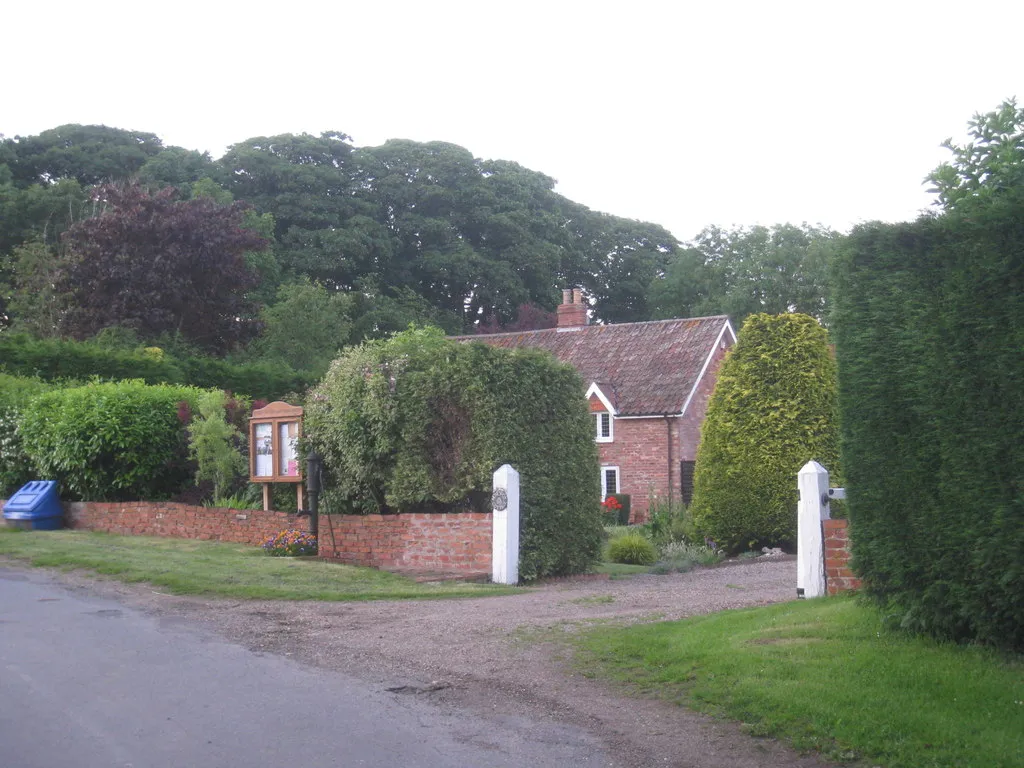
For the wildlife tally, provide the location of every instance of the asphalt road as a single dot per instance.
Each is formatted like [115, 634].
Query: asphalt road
[87, 682]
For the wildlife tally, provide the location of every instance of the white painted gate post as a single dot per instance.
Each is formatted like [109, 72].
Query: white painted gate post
[810, 556]
[505, 521]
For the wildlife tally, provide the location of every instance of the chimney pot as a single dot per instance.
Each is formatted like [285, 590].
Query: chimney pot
[572, 312]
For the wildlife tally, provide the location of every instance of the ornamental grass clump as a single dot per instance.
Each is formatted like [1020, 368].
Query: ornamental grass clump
[631, 549]
[681, 556]
[290, 544]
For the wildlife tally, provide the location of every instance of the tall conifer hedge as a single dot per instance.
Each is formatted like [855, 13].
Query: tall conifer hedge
[419, 423]
[774, 408]
[929, 328]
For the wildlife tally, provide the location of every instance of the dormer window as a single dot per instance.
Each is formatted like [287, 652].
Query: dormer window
[604, 423]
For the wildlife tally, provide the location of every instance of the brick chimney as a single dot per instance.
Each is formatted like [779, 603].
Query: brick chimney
[572, 311]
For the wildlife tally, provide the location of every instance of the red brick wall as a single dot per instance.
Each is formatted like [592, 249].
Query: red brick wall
[640, 451]
[458, 543]
[158, 518]
[640, 446]
[415, 542]
[690, 424]
[838, 576]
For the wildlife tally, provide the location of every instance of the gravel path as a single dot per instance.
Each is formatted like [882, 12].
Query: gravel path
[501, 655]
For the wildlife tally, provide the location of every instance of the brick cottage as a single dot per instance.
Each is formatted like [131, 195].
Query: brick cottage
[648, 386]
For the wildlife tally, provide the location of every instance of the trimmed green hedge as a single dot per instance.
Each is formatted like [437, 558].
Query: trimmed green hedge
[774, 408]
[53, 359]
[419, 423]
[115, 441]
[929, 328]
[16, 468]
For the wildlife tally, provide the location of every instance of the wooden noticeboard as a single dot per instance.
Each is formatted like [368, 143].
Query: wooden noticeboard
[274, 433]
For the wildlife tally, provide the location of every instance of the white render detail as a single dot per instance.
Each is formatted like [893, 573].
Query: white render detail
[505, 526]
[593, 390]
[812, 483]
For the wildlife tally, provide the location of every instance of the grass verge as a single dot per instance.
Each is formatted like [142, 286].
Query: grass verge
[826, 676]
[186, 566]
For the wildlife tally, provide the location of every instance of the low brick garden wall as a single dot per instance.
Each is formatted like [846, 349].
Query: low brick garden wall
[459, 543]
[442, 543]
[183, 521]
[838, 576]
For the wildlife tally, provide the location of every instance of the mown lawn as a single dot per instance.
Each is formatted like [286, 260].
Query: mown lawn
[185, 566]
[826, 676]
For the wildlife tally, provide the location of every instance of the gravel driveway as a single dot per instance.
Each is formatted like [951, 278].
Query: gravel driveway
[498, 654]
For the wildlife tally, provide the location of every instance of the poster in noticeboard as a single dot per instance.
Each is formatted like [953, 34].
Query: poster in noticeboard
[264, 439]
[288, 436]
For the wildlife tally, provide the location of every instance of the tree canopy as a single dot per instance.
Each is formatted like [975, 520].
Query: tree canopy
[746, 271]
[989, 166]
[160, 266]
[402, 232]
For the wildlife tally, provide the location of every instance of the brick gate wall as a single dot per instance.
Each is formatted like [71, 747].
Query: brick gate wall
[459, 543]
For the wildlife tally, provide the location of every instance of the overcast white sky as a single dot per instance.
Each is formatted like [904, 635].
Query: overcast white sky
[685, 114]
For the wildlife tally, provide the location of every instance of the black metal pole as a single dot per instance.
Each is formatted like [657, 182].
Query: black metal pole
[313, 464]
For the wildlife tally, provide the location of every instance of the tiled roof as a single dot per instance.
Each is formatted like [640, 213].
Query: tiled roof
[643, 368]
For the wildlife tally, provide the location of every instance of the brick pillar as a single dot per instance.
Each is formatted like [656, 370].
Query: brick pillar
[838, 575]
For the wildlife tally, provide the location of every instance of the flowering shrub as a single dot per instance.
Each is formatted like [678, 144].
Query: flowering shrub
[290, 543]
[610, 507]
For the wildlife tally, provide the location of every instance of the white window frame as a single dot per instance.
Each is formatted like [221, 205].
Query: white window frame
[605, 493]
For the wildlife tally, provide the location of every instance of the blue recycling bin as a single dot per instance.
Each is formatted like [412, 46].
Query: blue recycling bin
[35, 507]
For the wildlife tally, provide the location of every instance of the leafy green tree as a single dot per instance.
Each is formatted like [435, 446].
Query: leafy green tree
[773, 409]
[36, 306]
[40, 211]
[177, 167]
[618, 260]
[160, 265]
[90, 154]
[213, 444]
[990, 166]
[747, 271]
[306, 327]
[377, 314]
